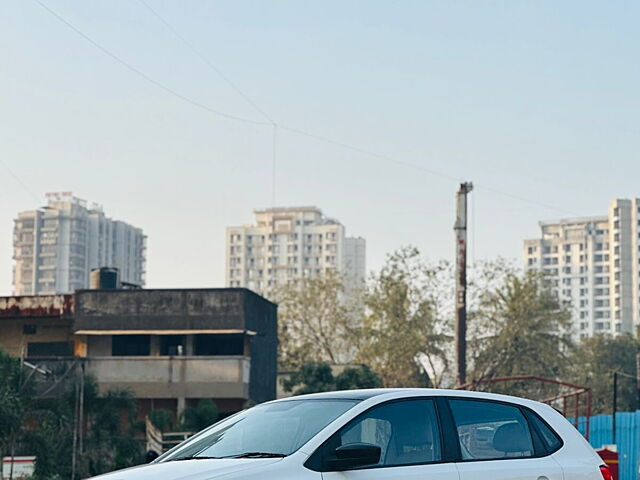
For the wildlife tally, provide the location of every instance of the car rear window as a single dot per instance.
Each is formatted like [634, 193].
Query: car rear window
[491, 431]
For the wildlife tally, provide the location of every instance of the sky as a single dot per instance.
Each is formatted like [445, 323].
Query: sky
[536, 102]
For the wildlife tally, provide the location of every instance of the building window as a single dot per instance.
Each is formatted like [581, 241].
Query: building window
[171, 345]
[29, 329]
[222, 344]
[50, 349]
[131, 345]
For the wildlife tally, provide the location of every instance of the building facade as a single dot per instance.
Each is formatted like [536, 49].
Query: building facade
[288, 244]
[593, 263]
[55, 247]
[170, 348]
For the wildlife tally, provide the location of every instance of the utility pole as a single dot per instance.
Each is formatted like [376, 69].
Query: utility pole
[460, 229]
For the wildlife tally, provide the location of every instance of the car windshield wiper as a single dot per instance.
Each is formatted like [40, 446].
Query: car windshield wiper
[193, 457]
[259, 455]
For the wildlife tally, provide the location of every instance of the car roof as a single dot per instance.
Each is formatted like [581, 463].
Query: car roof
[390, 393]
[344, 394]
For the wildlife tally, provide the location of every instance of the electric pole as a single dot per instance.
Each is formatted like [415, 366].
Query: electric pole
[460, 229]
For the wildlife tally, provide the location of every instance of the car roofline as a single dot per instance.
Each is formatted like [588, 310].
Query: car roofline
[382, 394]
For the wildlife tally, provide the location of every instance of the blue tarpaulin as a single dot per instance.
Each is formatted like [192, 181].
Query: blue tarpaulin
[627, 439]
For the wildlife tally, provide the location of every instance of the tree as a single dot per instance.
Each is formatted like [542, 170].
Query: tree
[200, 417]
[592, 364]
[402, 321]
[16, 392]
[317, 318]
[318, 377]
[353, 378]
[311, 378]
[526, 332]
[108, 442]
[161, 418]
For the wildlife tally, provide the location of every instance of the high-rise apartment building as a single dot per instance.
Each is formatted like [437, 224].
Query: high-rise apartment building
[593, 263]
[55, 247]
[288, 244]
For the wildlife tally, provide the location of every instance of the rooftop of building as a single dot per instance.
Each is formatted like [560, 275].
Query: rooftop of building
[303, 209]
[573, 221]
[67, 305]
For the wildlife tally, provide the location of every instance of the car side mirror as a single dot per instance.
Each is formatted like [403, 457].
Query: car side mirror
[354, 455]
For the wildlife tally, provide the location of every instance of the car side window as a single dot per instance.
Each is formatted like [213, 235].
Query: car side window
[407, 433]
[550, 438]
[491, 430]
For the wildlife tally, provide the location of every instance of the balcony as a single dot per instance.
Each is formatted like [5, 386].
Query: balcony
[171, 377]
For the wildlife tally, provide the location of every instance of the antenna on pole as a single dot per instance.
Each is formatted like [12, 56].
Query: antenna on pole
[460, 229]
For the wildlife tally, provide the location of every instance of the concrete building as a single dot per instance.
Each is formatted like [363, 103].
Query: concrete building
[593, 263]
[286, 244]
[171, 348]
[55, 247]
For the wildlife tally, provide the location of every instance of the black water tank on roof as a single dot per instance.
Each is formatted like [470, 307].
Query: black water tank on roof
[104, 278]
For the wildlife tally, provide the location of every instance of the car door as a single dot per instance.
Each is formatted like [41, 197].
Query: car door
[497, 442]
[410, 441]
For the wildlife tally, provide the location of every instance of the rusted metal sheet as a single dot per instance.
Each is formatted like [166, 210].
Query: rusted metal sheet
[37, 306]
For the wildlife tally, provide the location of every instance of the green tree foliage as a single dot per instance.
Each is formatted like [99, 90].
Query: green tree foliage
[15, 399]
[318, 377]
[316, 321]
[592, 364]
[162, 419]
[108, 440]
[402, 321]
[526, 332]
[352, 378]
[200, 417]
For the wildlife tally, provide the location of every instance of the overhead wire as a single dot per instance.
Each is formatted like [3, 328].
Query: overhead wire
[19, 181]
[232, 84]
[270, 122]
[148, 78]
[206, 61]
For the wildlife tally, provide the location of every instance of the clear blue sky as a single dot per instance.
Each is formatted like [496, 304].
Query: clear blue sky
[539, 99]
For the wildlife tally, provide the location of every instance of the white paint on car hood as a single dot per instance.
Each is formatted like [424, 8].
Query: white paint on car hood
[189, 469]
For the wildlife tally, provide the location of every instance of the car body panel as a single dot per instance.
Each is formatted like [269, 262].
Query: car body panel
[575, 460]
[443, 471]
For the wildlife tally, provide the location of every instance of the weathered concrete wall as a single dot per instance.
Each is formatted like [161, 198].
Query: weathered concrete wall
[174, 377]
[51, 315]
[262, 317]
[37, 306]
[99, 345]
[14, 342]
[159, 309]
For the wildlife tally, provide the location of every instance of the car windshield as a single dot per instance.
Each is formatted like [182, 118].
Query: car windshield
[273, 429]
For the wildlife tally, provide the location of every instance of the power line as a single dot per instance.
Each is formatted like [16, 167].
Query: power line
[274, 165]
[370, 153]
[19, 181]
[143, 75]
[271, 123]
[424, 169]
[232, 84]
[207, 62]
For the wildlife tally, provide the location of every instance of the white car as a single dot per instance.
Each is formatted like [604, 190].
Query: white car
[408, 434]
